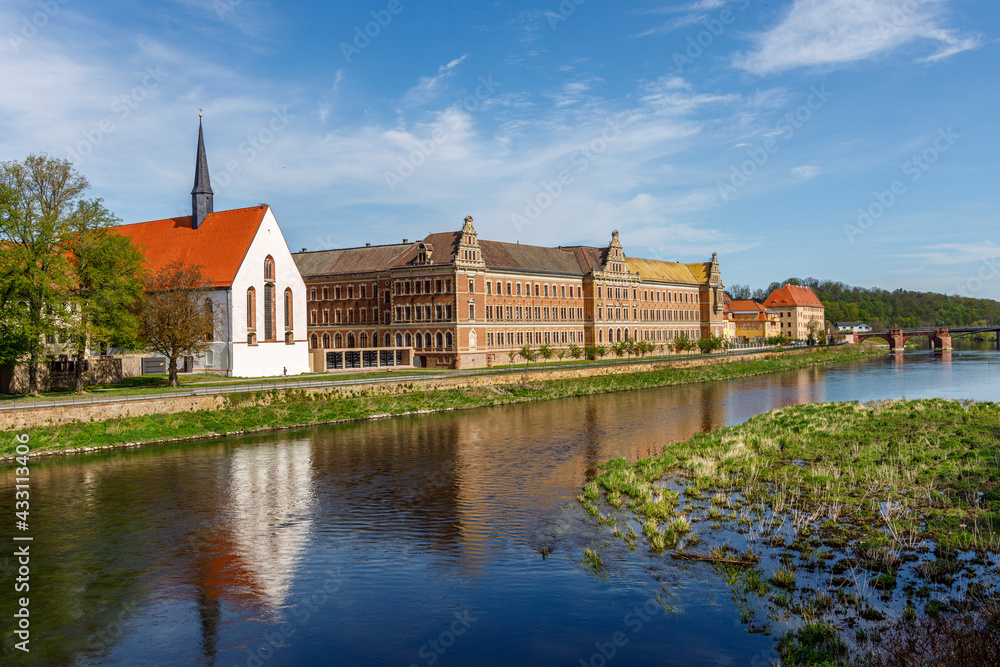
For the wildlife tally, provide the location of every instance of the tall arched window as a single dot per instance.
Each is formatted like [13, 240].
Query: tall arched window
[364, 340]
[399, 340]
[350, 341]
[268, 268]
[419, 341]
[314, 341]
[288, 308]
[409, 340]
[210, 321]
[268, 311]
[448, 339]
[338, 341]
[388, 340]
[326, 341]
[440, 340]
[251, 309]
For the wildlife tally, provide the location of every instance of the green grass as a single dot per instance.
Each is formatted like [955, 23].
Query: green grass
[256, 411]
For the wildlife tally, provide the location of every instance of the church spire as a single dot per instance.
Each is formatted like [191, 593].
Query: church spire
[201, 193]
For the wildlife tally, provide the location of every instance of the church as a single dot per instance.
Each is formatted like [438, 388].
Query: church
[257, 289]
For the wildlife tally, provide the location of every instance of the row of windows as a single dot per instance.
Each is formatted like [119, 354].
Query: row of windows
[512, 338]
[419, 313]
[619, 313]
[514, 289]
[419, 341]
[648, 295]
[529, 313]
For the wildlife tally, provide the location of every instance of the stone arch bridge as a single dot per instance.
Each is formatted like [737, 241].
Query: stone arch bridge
[940, 337]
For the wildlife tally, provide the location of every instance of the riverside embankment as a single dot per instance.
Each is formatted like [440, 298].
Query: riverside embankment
[109, 425]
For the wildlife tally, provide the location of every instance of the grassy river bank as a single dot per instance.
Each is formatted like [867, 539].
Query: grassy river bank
[261, 411]
[857, 534]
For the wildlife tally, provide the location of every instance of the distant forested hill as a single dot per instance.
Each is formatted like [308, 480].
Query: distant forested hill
[881, 308]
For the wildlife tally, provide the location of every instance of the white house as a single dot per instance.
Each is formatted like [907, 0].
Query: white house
[853, 327]
[258, 290]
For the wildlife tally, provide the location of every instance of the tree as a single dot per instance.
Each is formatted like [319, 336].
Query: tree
[173, 319]
[815, 327]
[47, 230]
[575, 351]
[561, 353]
[643, 347]
[546, 352]
[527, 353]
[711, 344]
[684, 344]
[107, 284]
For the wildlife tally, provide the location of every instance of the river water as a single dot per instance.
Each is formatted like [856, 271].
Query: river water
[451, 539]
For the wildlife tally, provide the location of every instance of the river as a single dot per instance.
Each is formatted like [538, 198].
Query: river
[450, 539]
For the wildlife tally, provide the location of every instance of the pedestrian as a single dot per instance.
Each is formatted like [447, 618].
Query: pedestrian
[284, 371]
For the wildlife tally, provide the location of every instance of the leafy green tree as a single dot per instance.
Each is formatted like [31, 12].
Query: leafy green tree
[711, 344]
[561, 353]
[682, 343]
[528, 353]
[58, 272]
[575, 351]
[546, 352]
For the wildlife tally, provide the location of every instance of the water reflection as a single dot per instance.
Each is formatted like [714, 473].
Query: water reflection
[194, 553]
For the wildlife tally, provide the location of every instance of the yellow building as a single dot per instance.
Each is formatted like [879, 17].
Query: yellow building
[796, 307]
[751, 322]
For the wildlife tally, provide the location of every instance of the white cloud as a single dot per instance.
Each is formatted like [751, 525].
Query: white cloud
[828, 33]
[807, 171]
[428, 87]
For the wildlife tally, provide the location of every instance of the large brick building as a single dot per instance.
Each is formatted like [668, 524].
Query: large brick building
[452, 300]
[796, 307]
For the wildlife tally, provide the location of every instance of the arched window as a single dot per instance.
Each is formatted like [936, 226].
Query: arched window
[314, 341]
[288, 308]
[338, 341]
[440, 341]
[473, 341]
[600, 336]
[418, 341]
[388, 340]
[326, 341]
[399, 340]
[409, 340]
[448, 339]
[251, 309]
[268, 311]
[268, 268]
[350, 341]
[210, 321]
[364, 340]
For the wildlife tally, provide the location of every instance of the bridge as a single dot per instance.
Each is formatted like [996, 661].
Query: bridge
[940, 337]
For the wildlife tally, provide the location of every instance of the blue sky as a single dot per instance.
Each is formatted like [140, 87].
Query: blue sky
[758, 130]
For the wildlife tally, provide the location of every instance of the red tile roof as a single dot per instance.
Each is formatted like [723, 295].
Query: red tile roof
[793, 295]
[218, 246]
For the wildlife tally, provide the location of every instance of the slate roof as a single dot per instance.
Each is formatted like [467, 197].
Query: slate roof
[353, 260]
[664, 272]
[218, 246]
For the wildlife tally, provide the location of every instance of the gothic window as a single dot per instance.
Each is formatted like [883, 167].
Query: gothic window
[326, 340]
[268, 268]
[268, 311]
[288, 308]
[251, 308]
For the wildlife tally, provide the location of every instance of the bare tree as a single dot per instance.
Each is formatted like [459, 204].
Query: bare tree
[174, 320]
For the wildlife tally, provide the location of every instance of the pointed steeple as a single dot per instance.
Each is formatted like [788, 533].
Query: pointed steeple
[201, 193]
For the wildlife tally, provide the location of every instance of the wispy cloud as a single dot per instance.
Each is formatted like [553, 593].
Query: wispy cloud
[429, 87]
[828, 33]
[807, 171]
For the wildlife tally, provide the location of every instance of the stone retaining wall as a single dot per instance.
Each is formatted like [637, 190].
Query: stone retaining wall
[32, 417]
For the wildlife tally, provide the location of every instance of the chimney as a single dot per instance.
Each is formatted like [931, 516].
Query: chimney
[405, 241]
[305, 250]
[368, 245]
